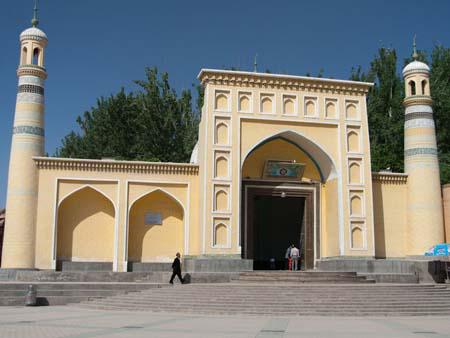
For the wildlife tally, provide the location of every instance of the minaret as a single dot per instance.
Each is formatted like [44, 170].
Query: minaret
[425, 226]
[27, 141]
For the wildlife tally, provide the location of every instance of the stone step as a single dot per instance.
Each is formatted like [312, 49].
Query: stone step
[272, 299]
[61, 293]
[80, 286]
[280, 311]
[274, 303]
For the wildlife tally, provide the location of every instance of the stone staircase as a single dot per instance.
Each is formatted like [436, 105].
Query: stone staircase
[61, 293]
[301, 277]
[286, 299]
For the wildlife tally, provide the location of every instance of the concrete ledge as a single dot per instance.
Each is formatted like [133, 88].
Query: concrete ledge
[402, 278]
[428, 271]
[217, 264]
[83, 266]
[149, 267]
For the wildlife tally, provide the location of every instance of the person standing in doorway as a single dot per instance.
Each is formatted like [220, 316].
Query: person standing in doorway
[176, 268]
[295, 254]
[287, 256]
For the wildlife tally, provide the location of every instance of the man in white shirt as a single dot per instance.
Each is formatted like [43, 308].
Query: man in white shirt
[295, 255]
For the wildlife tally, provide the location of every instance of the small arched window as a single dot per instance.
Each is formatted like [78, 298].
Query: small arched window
[424, 87]
[24, 55]
[36, 53]
[412, 87]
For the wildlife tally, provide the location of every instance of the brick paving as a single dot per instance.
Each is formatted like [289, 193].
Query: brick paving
[71, 322]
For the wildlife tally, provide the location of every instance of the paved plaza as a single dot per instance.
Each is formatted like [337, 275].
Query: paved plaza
[72, 322]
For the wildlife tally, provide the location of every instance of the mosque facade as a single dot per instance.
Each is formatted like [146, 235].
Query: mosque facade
[280, 159]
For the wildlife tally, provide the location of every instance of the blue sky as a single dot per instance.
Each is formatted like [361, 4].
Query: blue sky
[96, 47]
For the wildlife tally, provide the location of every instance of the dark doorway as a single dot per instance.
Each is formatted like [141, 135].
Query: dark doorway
[276, 214]
[278, 223]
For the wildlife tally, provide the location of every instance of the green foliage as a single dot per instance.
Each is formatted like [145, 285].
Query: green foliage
[440, 92]
[386, 113]
[151, 124]
[385, 110]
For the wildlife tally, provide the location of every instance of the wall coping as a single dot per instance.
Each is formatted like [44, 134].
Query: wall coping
[54, 163]
[289, 82]
[388, 177]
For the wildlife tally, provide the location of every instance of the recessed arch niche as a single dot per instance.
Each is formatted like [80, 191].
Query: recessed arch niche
[289, 105]
[220, 234]
[278, 148]
[221, 135]
[221, 167]
[85, 227]
[353, 142]
[355, 173]
[244, 102]
[221, 101]
[351, 111]
[357, 235]
[221, 200]
[310, 107]
[330, 109]
[155, 228]
[355, 205]
[266, 104]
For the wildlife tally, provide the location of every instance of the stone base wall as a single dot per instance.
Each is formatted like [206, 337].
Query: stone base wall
[430, 270]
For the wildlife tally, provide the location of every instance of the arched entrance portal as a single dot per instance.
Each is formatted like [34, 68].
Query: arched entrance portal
[282, 208]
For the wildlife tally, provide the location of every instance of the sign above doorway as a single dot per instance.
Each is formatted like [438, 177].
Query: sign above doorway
[283, 169]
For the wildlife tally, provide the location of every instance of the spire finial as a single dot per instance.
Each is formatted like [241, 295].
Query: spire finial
[415, 55]
[255, 64]
[35, 21]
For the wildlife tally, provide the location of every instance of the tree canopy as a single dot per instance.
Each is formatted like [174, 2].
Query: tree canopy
[152, 124]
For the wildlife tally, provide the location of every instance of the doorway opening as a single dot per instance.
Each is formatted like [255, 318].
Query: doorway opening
[276, 215]
[278, 223]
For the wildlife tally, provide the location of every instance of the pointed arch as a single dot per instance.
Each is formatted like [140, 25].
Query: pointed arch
[412, 87]
[221, 200]
[85, 226]
[24, 60]
[220, 235]
[323, 161]
[156, 241]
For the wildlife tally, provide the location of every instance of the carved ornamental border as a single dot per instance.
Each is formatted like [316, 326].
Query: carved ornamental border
[286, 82]
[386, 177]
[48, 163]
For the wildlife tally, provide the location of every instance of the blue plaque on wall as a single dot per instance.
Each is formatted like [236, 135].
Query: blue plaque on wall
[283, 169]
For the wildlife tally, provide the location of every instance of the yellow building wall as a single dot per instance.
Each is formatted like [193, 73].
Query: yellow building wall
[446, 202]
[330, 220]
[390, 206]
[86, 227]
[155, 242]
[123, 183]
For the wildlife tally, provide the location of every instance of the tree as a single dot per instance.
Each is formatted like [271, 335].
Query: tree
[385, 110]
[151, 124]
[440, 93]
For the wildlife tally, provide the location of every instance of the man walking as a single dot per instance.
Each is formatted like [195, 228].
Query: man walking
[295, 254]
[176, 268]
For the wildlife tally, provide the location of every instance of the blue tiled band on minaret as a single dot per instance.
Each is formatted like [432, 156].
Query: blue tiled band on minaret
[31, 130]
[420, 151]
